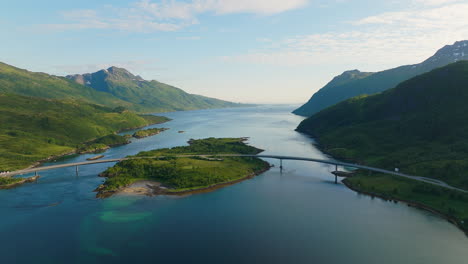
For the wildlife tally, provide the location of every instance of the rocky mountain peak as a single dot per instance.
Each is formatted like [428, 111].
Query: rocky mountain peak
[121, 73]
[450, 53]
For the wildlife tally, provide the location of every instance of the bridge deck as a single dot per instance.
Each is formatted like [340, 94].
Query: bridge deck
[331, 162]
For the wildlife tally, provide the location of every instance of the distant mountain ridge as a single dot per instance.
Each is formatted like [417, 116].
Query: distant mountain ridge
[145, 96]
[354, 83]
[22, 82]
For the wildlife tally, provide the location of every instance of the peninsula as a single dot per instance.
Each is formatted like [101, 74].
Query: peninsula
[148, 132]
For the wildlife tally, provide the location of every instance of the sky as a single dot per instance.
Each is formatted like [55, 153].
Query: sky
[253, 51]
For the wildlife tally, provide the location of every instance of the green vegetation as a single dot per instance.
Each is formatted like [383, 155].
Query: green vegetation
[148, 132]
[146, 96]
[449, 203]
[23, 82]
[9, 180]
[187, 173]
[152, 119]
[355, 83]
[103, 143]
[35, 129]
[419, 127]
[115, 87]
[111, 140]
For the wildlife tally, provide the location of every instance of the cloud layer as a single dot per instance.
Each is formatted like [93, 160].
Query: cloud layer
[390, 38]
[167, 15]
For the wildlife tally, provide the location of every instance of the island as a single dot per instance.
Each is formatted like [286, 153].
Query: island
[148, 132]
[183, 170]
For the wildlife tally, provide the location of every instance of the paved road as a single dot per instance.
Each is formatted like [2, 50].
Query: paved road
[331, 162]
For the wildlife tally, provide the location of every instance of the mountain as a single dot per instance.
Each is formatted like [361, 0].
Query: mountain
[113, 87]
[420, 126]
[145, 96]
[22, 82]
[34, 128]
[349, 85]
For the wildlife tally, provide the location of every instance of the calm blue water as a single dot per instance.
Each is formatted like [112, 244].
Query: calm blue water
[299, 216]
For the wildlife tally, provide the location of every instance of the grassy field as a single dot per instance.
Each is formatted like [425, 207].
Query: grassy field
[191, 173]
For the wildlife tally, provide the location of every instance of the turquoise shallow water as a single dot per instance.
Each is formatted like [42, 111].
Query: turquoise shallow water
[296, 216]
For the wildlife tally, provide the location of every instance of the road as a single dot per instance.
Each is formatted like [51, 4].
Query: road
[331, 162]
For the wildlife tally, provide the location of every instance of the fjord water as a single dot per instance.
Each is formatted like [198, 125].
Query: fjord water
[298, 216]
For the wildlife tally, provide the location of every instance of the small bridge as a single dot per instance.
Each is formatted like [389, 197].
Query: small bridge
[337, 173]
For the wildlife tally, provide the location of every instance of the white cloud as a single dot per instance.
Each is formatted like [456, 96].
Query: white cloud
[436, 2]
[388, 39]
[167, 15]
[253, 6]
[448, 17]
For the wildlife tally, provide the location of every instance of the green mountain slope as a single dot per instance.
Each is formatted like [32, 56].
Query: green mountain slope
[366, 83]
[33, 129]
[17, 81]
[420, 126]
[146, 96]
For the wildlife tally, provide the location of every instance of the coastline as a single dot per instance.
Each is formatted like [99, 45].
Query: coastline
[157, 132]
[414, 204]
[76, 152]
[16, 184]
[150, 124]
[64, 155]
[154, 188]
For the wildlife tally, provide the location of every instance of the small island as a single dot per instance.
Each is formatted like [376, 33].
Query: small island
[148, 132]
[95, 157]
[177, 172]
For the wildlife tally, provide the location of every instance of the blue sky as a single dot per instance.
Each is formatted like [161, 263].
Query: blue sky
[262, 51]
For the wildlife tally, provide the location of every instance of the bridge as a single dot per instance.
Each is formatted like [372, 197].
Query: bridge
[278, 157]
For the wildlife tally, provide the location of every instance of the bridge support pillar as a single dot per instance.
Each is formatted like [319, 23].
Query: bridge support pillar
[336, 177]
[76, 170]
[281, 165]
[35, 173]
